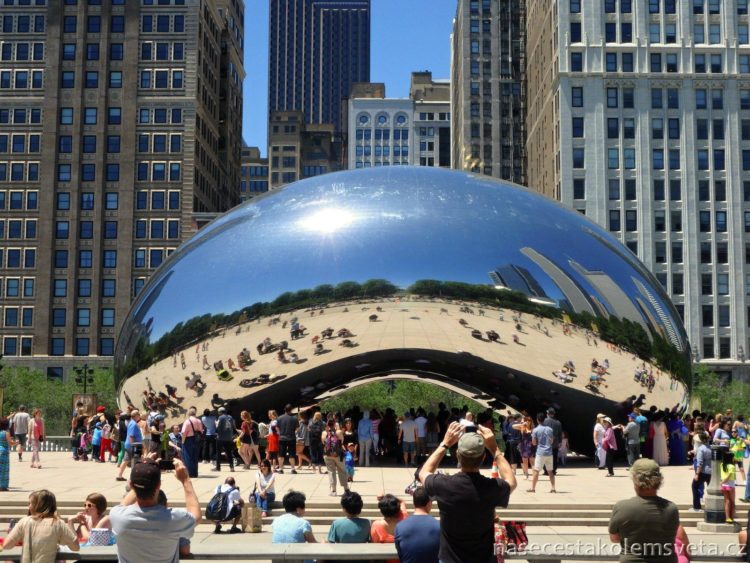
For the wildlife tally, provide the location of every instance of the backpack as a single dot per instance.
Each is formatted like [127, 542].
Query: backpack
[332, 445]
[217, 507]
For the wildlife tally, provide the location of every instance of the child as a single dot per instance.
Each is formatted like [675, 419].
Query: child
[728, 475]
[562, 452]
[272, 452]
[96, 441]
[349, 462]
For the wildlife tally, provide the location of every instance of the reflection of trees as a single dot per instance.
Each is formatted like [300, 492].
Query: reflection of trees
[624, 333]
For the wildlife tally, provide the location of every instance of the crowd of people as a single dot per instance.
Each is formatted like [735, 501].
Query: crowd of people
[335, 443]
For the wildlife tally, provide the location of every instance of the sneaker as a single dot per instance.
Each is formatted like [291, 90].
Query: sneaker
[217, 529]
[120, 479]
[294, 471]
[215, 469]
[695, 510]
[745, 500]
[264, 514]
[235, 530]
[729, 521]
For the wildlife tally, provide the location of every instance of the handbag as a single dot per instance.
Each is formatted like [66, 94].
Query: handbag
[515, 535]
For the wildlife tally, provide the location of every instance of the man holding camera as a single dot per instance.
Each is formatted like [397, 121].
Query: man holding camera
[467, 499]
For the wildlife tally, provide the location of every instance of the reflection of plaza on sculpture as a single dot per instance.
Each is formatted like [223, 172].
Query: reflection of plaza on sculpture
[470, 281]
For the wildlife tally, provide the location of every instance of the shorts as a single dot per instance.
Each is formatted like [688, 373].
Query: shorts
[273, 456]
[234, 513]
[727, 487]
[287, 449]
[738, 463]
[408, 447]
[21, 439]
[542, 462]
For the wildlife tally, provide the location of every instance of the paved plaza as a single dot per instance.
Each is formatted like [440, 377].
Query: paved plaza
[579, 510]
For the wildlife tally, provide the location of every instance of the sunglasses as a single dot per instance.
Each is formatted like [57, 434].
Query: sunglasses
[88, 505]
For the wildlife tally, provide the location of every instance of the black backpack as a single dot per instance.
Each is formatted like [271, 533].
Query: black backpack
[217, 507]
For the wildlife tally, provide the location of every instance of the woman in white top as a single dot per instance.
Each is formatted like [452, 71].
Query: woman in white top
[601, 454]
[42, 531]
[92, 516]
[265, 482]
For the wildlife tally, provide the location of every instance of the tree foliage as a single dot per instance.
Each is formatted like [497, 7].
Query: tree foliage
[23, 386]
[717, 394]
[400, 395]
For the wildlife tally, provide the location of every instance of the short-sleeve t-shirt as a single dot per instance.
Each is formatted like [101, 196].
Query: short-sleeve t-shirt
[467, 504]
[287, 425]
[150, 534]
[645, 525]
[408, 427]
[379, 533]
[134, 432]
[418, 539]
[47, 535]
[290, 528]
[545, 437]
[21, 423]
[633, 433]
[349, 530]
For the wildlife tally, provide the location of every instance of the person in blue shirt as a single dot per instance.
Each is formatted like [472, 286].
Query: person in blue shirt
[418, 537]
[543, 438]
[349, 461]
[133, 443]
[96, 441]
[292, 527]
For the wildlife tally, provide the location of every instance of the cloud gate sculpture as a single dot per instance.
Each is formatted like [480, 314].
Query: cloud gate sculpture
[454, 278]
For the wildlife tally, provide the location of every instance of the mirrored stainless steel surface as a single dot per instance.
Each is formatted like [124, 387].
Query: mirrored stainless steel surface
[415, 271]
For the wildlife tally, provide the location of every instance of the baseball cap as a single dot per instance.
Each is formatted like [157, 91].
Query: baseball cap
[100, 408]
[471, 444]
[645, 467]
[222, 409]
[632, 415]
[607, 419]
[145, 474]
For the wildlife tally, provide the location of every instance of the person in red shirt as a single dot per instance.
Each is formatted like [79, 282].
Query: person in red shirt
[272, 451]
[383, 530]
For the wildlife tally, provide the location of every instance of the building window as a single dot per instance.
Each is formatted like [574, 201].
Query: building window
[578, 157]
[577, 97]
[614, 220]
[576, 62]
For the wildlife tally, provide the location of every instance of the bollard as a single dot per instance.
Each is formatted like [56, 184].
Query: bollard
[715, 519]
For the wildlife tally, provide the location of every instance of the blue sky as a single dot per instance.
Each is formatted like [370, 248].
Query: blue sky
[406, 35]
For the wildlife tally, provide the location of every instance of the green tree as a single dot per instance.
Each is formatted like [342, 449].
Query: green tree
[23, 386]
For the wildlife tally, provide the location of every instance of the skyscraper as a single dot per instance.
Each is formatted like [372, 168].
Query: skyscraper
[488, 97]
[118, 121]
[639, 117]
[318, 49]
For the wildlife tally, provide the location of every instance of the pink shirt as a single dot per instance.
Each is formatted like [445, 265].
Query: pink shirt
[191, 426]
[610, 442]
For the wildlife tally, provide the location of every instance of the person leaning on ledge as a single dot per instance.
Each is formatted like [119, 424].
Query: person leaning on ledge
[147, 531]
[467, 499]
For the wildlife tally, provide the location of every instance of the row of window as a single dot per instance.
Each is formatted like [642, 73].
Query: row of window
[157, 229]
[661, 95]
[161, 79]
[18, 258]
[21, 79]
[367, 150]
[157, 200]
[20, 116]
[150, 257]
[57, 346]
[88, 172]
[159, 142]
[22, 23]
[154, 229]
[661, 6]
[87, 201]
[665, 33]
[88, 144]
[90, 115]
[90, 79]
[660, 190]
[116, 51]
[658, 162]
[157, 172]
[160, 116]
[84, 288]
[10, 343]
[94, 24]
[83, 317]
[20, 143]
[385, 134]
[17, 287]
[162, 23]
[18, 229]
[85, 230]
[21, 51]
[661, 62]
[19, 172]
[85, 259]
[18, 316]
[16, 200]
[163, 51]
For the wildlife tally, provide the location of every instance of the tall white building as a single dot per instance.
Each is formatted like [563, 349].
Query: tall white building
[400, 131]
[639, 117]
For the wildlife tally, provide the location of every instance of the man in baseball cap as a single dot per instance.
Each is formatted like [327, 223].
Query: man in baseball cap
[146, 530]
[467, 499]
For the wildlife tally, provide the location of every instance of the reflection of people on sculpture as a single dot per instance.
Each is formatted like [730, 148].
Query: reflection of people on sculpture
[206, 365]
[293, 358]
[347, 343]
[493, 336]
[194, 383]
[463, 322]
[231, 365]
[217, 401]
[517, 340]
[319, 349]
[315, 339]
[344, 333]
[327, 333]
[373, 318]
[477, 334]
[281, 357]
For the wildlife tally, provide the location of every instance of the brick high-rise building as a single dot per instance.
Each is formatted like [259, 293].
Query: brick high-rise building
[317, 50]
[639, 117]
[118, 121]
[488, 96]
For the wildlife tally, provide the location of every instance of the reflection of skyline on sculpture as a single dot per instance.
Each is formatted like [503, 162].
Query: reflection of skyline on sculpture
[376, 238]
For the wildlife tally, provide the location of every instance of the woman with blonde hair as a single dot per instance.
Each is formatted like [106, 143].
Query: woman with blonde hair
[249, 440]
[42, 531]
[36, 437]
[315, 429]
[92, 516]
